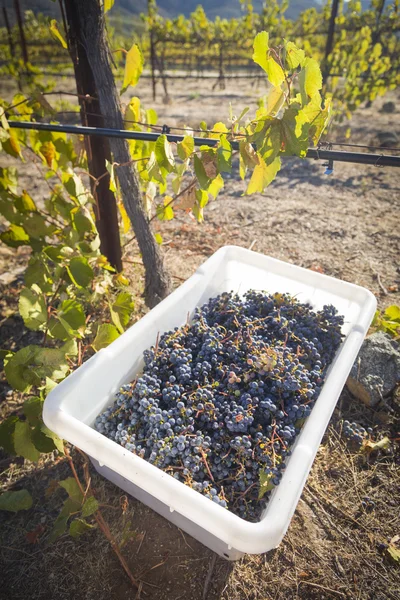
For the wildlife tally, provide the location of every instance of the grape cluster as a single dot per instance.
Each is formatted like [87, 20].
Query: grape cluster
[355, 433]
[222, 399]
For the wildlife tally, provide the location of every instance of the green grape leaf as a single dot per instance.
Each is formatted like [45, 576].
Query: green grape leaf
[224, 155]
[294, 55]
[262, 57]
[106, 334]
[36, 227]
[294, 132]
[133, 67]
[41, 441]
[15, 236]
[121, 310]
[70, 506]
[32, 409]
[75, 188]
[72, 317]
[7, 428]
[56, 33]
[57, 441]
[164, 155]
[9, 179]
[16, 501]
[23, 443]
[72, 488]
[59, 528]
[165, 211]
[111, 171]
[32, 308]
[262, 175]
[80, 272]
[199, 169]
[82, 221]
[78, 527]
[17, 369]
[90, 506]
[24, 203]
[185, 147]
[265, 483]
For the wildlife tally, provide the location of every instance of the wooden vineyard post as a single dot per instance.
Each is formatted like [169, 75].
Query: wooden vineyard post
[330, 38]
[379, 11]
[152, 63]
[11, 42]
[98, 150]
[21, 31]
[93, 38]
[9, 33]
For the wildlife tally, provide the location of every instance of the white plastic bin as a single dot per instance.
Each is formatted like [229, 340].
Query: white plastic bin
[71, 408]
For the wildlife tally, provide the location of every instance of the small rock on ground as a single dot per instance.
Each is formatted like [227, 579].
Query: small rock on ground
[376, 370]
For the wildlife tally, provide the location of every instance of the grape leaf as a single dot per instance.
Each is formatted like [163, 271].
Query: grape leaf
[108, 4]
[133, 67]
[32, 408]
[121, 310]
[16, 501]
[72, 488]
[15, 236]
[310, 79]
[32, 308]
[90, 506]
[265, 483]
[106, 334]
[164, 155]
[263, 58]
[56, 33]
[263, 174]
[275, 101]
[200, 172]
[7, 428]
[24, 203]
[224, 155]
[294, 55]
[23, 443]
[185, 147]
[80, 271]
[78, 527]
[72, 317]
[393, 313]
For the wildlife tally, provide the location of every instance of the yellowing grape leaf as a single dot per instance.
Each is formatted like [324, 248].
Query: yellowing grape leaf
[108, 4]
[133, 67]
[263, 174]
[132, 112]
[262, 57]
[310, 79]
[48, 150]
[275, 100]
[294, 55]
[56, 33]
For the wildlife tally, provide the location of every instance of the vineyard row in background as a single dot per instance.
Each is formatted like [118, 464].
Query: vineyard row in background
[200, 48]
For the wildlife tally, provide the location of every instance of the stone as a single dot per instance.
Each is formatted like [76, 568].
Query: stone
[376, 370]
[388, 107]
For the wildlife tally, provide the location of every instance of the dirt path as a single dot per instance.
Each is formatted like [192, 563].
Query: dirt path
[345, 225]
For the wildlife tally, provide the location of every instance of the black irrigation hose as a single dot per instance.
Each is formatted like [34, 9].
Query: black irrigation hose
[363, 158]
